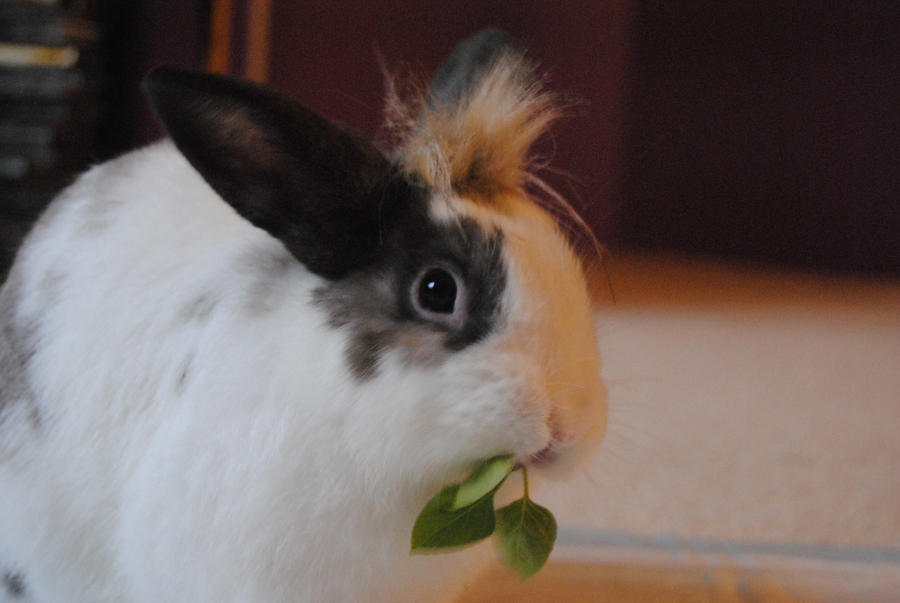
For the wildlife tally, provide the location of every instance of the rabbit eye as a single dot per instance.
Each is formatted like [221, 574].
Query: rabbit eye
[437, 291]
[437, 295]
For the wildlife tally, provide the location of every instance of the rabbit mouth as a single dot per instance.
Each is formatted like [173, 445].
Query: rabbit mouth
[556, 446]
[545, 456]
[551, 452]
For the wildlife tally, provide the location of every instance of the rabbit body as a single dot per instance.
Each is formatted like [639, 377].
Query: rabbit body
[195, 409]
[161, 388]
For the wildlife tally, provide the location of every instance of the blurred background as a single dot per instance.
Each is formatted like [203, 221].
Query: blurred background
[740, 161]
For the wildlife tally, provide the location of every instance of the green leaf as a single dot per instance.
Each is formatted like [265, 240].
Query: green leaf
[439, 525]
[526, 532]
[485, 480]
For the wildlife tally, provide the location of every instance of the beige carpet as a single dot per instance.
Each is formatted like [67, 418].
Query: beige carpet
[747, 406]
[753, 451]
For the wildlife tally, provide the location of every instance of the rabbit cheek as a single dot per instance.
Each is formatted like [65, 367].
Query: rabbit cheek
[553, 342]
[562, 408]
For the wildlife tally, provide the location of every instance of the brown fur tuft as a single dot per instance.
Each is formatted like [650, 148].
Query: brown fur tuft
[479, 147]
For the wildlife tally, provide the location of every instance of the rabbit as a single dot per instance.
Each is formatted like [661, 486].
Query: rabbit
[237, 362]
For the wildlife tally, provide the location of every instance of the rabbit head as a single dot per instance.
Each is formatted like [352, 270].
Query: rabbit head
[467, 325]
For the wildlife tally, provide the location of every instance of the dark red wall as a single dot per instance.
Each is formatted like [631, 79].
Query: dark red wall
[766, 131]
[140, 35]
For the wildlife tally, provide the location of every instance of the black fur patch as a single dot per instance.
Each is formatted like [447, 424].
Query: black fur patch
[363, 354]
[199, 308]
[15, 584]
[316, 186]
[467, 63]
[376, 307]
[183, 374]
[478, 255]
[16, 350]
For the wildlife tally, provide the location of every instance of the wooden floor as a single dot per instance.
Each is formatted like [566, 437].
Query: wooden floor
[641, 583]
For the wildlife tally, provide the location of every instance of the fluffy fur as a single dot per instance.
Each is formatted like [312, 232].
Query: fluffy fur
[479, 146]
[184, 424]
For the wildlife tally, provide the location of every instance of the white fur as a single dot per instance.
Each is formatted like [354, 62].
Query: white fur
[270, 474]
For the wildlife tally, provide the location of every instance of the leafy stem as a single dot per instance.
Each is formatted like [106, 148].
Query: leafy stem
[462, 514]
[524, 480]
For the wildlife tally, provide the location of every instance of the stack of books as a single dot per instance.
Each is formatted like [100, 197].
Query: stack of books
[49, 82]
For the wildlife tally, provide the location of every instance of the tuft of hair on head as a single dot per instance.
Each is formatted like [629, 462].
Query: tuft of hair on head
[478, 146]
[472, 131]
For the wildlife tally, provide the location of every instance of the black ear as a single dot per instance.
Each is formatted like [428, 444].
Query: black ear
[467, 63]
[314, 185]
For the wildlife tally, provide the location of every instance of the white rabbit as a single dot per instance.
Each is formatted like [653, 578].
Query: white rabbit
[236, 364]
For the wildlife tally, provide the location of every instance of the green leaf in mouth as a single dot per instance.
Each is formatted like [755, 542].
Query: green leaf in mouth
[486, 479]
[439, 525]
[463, 513]
[525, 532]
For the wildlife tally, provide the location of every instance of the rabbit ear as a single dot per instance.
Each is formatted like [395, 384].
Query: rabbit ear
[314, 185]
[467, 64]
